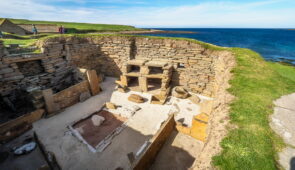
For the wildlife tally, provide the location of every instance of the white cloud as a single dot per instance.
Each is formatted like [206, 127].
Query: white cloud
[213, 14]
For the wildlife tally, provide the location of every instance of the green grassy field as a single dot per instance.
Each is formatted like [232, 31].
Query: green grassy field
[74, 27]
[256, 83]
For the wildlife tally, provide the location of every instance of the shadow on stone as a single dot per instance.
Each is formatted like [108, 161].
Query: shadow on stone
[292, 164]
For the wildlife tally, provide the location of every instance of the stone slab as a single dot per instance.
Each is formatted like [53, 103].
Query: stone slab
[93, 82]
[282, 122]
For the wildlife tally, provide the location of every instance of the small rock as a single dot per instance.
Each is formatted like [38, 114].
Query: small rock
[136, 98]
[25, 148]
[122, 90]
[110, 105]
[180, 92]
[195, 99]
[84, 96]
[135, 108]
[97, 120]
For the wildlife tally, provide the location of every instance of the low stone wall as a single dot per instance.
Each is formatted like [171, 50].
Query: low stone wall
[71, 95]
[13, 128]
[193, 65]
[146, 159]
[74, 94]
[30, 73]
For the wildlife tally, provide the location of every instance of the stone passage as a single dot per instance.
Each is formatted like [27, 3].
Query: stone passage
[24, 75]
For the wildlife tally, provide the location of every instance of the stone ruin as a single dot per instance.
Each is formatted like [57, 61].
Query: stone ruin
[69, 70]
[148, 76]
[23, 76]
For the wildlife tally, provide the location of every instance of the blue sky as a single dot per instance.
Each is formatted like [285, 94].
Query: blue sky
[159, 13]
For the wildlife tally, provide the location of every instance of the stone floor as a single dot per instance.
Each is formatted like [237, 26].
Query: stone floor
[32, 160]
[71, 153]
[178, 153]
[283, 123]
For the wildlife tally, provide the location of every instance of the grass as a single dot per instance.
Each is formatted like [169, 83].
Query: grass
[74, 27]
[25, 42]
[256, 83]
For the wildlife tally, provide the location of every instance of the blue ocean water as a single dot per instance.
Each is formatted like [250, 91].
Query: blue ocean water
[272, 44]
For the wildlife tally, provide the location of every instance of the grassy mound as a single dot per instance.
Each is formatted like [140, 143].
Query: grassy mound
[256, 83]
[74, 27]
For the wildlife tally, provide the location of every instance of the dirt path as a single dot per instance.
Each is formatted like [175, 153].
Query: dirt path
[283, 123]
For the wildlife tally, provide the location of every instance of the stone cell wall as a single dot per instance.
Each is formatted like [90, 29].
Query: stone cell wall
[193, 65]
[71, 95]
[51, 70]
[30, 68]
[105, 55]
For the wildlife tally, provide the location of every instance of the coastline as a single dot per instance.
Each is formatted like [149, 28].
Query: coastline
[152, 31]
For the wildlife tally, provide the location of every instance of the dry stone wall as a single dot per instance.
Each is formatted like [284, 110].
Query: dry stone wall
[29, 71]
[193, 65]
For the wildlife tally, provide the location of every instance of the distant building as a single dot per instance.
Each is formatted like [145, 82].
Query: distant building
[7, 26]
[23, 29]
[42, 28]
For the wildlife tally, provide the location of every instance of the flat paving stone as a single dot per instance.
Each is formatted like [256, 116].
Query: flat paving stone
[282, 122]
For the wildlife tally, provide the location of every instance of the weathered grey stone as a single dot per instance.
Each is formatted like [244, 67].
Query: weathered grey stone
[84, 96]
[180, 92]
[195, 99]
[97, 120]
[6, 70]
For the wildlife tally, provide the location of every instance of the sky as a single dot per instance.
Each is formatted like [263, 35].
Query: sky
[158, 13]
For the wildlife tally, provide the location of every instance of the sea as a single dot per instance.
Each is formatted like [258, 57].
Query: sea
[277, 45]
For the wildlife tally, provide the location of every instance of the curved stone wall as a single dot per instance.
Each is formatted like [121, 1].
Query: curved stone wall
[194, 66]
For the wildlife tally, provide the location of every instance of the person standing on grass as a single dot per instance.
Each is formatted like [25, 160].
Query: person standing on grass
[64, 30]
[60, 29]
[1, 34]
[34, 29]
